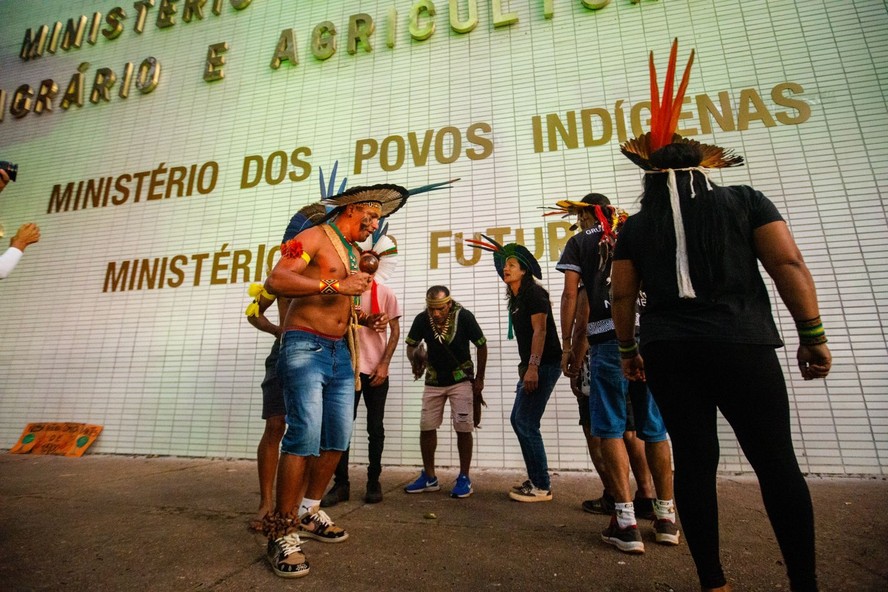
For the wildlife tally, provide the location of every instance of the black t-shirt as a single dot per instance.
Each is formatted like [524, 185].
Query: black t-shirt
[733, 309]
[450, 360]
[536, 301]
[583, 256]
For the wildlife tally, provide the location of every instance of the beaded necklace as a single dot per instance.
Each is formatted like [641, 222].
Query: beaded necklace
[445, 333]
[352, 258]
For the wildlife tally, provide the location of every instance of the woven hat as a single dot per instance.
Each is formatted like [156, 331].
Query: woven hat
[566, 207]
[390, 198]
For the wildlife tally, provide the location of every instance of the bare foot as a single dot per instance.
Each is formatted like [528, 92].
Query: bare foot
[256, 522]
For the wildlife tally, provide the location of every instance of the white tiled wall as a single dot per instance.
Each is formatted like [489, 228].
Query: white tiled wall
[177, 370]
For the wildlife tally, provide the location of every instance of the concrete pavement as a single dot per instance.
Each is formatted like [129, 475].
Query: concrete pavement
[170, 524]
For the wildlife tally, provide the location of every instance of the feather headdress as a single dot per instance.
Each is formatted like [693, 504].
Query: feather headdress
[665, 112]
[385, 248]
[391, 198]
[503, 252]
[317, 212]
[664, 121]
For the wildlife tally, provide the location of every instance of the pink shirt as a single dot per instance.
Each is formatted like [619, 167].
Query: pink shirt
[372, 344]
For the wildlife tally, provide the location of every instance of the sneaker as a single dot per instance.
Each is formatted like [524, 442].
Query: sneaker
[666, 532]
[644, 507]
[517, 488]
[423, 483]
[374, 492]
[529, 493]
[340, 492]
[627, 540]
[463, 487]
[315, 524]
[286, 557]
[603, 505]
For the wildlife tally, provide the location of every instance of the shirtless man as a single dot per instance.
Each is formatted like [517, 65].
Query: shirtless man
[318, 269]
[274, 410]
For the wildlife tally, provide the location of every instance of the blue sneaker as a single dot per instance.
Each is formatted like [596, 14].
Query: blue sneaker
[463, 487]
[422, 484]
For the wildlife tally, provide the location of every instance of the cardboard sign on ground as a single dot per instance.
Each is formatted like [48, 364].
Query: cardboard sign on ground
[63, 439]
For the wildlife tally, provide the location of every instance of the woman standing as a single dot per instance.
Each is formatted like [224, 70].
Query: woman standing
[530, 313]
[708, 336]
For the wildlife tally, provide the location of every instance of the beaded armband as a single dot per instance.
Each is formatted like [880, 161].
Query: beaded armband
[329, 287]
[628, 349]
[811, 332]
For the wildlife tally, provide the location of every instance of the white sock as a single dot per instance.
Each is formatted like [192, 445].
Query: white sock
[664, 509]
[307, 505]
[625, 514]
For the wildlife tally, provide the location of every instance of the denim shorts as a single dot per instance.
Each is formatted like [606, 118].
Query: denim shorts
[609, 392]
[319, 393]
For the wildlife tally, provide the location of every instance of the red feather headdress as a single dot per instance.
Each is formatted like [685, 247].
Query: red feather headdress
[664, 121]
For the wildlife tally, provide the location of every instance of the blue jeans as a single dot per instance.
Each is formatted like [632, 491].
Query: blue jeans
[319, 393]
[526, 415]
[608, 393]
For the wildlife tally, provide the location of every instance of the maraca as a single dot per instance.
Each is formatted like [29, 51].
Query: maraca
[369, 262]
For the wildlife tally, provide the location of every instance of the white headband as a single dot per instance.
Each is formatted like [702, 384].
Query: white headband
[685, 287]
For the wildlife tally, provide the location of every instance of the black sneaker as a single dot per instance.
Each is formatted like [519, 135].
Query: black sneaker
[666, 532]
[644, 507]
[338, 493]
[603, 505]
[286, 557]
[529, 493]
[374, 492]
[627, 540]
[517, 488]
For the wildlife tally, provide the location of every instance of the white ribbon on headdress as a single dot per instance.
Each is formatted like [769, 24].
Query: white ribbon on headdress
[682, 267]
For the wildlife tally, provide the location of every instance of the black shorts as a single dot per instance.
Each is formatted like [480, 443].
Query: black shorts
[272, 387]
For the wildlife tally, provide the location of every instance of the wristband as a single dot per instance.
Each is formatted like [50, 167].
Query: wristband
[628, 349]
[329, 287]
[535, 360]
[811, 332]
